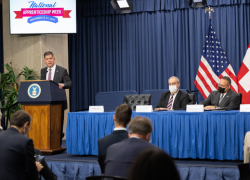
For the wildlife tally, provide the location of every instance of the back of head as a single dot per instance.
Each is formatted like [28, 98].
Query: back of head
[140, 125]
[123, 114]
[153, 164]
[19, 118]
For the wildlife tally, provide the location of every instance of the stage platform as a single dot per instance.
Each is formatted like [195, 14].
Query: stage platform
[77, 167]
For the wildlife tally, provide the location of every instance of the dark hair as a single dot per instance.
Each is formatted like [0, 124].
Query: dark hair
[228, 79]
[140, 125]
[123, 114]
[19, 118]
[48, 53]
[153, 164]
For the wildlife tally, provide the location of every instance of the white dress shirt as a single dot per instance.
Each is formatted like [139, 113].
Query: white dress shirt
[173, 99]
[53, 69]
[120, 128]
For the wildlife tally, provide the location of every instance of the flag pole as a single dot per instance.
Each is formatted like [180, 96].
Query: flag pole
[209, 9]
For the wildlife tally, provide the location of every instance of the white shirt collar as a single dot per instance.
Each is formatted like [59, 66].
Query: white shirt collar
[134, 137]
[174, 95]
[120, 128]
[53, 68]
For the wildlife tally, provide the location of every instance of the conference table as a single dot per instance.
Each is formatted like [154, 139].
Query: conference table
[204, 135]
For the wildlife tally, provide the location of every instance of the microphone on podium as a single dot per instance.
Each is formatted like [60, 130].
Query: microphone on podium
[43, 75]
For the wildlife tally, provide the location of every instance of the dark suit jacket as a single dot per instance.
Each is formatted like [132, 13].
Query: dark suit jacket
[17, 161]
[120, 156]
[180, 102]
[105, 142]
[61, 76]
[229, 102]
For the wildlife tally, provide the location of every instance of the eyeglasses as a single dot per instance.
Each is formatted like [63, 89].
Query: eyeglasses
[223, 86]
[171, 84]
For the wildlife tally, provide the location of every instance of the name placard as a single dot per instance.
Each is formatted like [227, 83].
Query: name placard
[195, 108]
[144, 108]
[245, 108]
[94, 109]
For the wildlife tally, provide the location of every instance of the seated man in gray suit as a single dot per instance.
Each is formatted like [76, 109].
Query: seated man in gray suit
[121, 119]
[120, 156]
[223, 98]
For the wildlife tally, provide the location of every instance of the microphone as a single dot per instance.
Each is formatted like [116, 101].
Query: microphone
[44, 75]
[190, 91]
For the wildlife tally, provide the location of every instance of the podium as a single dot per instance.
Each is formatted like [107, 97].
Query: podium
[43, 99]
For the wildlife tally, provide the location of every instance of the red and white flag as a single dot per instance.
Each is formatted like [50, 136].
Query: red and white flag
[213, 66]
[244, 78]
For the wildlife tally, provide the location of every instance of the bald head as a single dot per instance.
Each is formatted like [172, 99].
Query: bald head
[174, 78]
[174, 84]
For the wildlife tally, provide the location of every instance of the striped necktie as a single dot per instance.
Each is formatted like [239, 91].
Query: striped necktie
[221, 97]
[170, 101]
[49, 78]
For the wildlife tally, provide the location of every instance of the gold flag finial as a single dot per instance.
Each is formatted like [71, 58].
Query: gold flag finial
[209, 9]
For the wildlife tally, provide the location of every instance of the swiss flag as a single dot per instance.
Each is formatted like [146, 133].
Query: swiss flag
[244, 78]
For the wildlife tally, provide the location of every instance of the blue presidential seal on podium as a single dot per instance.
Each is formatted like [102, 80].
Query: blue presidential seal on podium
[34, 91]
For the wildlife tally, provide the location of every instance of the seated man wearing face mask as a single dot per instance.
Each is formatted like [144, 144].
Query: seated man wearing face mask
[173, 99]
[224, 98]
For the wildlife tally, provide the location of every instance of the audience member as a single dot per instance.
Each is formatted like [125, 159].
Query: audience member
[121, 155]
[153, 164]
[246, 147]
[17, 151]
[45, 171]
[121, 119]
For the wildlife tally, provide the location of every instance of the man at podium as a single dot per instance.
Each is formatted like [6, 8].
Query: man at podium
[58, 75]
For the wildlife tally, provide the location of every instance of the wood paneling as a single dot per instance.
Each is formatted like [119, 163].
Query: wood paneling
[45, 126]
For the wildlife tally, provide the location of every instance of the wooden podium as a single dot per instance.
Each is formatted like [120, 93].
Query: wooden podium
[43, 100]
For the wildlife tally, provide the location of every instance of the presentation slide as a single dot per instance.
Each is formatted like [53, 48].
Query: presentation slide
[42, 17]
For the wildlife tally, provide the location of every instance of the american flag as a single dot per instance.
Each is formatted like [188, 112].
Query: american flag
[213, 66]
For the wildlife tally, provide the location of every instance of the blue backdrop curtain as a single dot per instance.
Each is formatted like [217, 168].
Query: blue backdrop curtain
[141, 50]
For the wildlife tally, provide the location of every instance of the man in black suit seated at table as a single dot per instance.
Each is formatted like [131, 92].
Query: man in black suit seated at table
[173, 99]
[121, 119]
[224, 98]
[17, 159]
[58, 75]
[121, 155]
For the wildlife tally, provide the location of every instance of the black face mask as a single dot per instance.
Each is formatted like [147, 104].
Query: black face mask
[221, 90]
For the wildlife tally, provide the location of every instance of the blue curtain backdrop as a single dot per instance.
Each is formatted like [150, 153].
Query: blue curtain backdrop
[141, 50]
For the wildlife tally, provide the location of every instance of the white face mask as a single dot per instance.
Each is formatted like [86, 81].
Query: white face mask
[173, 88]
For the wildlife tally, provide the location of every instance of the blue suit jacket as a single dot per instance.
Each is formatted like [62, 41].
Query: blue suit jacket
[120, 156]
[17, 161]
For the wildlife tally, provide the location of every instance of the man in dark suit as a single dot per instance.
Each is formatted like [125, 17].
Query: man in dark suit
[173, 99]
[121, 119]
[121, 155]
[17, 159]
[224, 98]
[58, 75]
